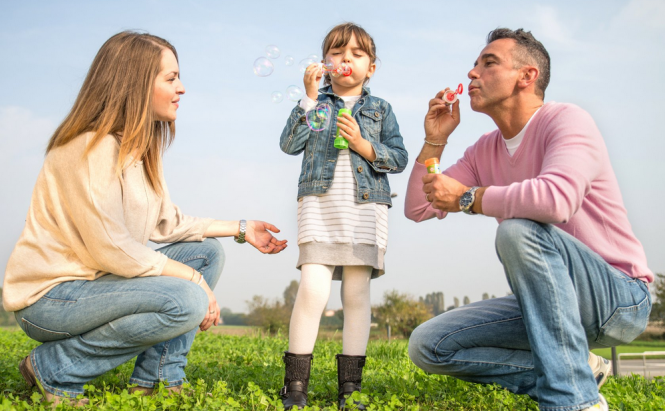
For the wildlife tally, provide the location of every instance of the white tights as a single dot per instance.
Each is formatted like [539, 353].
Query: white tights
[312, 298]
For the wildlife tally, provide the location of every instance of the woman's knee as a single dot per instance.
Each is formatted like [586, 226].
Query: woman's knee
[187, 304]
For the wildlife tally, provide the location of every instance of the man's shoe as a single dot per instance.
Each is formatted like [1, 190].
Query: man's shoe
[25, 368]
[601, 368]
[601, 406]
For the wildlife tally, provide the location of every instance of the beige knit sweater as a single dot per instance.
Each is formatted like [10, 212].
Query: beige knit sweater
[85, 221]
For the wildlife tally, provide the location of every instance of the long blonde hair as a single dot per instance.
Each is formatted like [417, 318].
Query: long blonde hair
[116, 98]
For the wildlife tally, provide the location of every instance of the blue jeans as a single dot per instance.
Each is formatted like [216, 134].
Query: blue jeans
[566, 300]
[90, 327]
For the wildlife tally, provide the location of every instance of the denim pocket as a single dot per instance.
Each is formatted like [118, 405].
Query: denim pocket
[625, 324]
[42, 334]
[371, 122]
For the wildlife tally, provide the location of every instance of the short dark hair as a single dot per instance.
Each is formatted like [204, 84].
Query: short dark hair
[528, 51]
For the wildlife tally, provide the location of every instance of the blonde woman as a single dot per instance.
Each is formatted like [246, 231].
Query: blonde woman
[81, 278]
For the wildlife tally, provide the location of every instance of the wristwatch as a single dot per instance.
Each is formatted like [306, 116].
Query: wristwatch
[240, 239]
[467, 199]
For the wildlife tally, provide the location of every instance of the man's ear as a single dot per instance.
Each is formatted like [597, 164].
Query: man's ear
[528, 76]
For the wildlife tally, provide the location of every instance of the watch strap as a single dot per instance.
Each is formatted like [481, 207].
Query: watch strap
[240, 239]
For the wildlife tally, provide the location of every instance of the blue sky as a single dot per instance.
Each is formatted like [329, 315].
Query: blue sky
[607, 57]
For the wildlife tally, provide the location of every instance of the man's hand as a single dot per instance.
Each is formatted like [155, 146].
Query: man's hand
[258, 234]
[441, 119]
[443, 192]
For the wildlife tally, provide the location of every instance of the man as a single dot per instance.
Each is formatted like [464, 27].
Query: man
[578, 274]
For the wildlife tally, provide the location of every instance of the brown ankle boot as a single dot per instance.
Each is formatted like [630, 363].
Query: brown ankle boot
[296, 380]
[28, 373]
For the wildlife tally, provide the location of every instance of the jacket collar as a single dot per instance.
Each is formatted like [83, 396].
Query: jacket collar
[327, 90]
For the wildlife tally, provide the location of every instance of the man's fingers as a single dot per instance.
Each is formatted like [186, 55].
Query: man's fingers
[456, 113]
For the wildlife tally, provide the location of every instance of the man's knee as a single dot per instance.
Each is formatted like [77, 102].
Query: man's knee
[425, 348]
[214, 250]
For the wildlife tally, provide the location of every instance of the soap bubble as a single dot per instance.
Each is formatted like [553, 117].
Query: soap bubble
[329, 66]
[276, 97]
[272, 51]
[314, 57]
[294, 93]
[288, 60]
[319, 118]
[263, 67]
[302, 66]
[378, 63]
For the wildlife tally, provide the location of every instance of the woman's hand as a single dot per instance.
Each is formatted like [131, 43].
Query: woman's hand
[258, 234]
[212, 316]
[441, 119]
[312, 79]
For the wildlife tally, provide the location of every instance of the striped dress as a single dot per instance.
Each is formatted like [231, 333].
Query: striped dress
[333, 229]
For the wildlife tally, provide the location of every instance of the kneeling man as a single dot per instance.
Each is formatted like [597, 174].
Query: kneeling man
[578, 274]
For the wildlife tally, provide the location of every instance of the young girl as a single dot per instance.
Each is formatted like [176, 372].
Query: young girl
[343, 200]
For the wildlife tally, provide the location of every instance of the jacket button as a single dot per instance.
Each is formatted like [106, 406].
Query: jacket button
[376, 114]
[366, 196]
[360, 169]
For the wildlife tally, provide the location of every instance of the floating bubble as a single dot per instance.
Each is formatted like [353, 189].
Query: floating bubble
[304, 63]
[329, 66]
[319, 118]
[288, 60]
[276, 97]
[314, 57]
[272, 51]
[294, 93]
[263, 67]
[378, 63]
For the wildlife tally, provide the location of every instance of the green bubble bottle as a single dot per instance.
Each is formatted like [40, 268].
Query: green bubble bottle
[340, 142]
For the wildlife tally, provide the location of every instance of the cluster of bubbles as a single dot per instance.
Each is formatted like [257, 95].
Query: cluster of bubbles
[319, 118]
[263, 67]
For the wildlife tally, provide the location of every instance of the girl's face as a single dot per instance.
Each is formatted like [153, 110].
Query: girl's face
[168, 88]
[358, 60]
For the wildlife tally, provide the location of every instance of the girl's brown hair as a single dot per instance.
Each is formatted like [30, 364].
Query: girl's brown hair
[116, 98]
[340, 36]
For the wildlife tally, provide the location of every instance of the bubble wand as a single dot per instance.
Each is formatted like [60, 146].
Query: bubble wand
[451, 96]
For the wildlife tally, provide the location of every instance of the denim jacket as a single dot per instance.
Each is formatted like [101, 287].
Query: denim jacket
[378, 125]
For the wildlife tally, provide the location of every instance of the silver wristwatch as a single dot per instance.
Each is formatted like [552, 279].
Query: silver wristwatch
[467, 199]
[240, 239]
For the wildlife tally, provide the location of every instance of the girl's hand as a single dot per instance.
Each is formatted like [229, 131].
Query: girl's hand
[212, 316]
[349, 129]
[441, 119]
[312, 79]
[258, 234]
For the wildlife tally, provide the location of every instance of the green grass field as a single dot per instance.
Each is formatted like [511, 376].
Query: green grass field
[231, 372]
[634, 347]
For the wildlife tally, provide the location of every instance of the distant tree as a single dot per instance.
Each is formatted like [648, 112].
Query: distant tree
[486, 296]
[6, 318]
[403, 312]
[290, 293]
[434, 302]
[456, 302]
[272, 316]
[466, 300]
[493, 296]
[231, 318]
[658, 303]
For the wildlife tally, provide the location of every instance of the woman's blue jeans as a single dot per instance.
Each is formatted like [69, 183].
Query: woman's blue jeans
[90, 327]
[566, 300]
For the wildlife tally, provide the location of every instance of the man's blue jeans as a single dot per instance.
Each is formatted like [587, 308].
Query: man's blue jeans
[566, 300]
[90, 327]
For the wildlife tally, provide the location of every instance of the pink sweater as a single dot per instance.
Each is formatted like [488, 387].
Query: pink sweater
[560, 174]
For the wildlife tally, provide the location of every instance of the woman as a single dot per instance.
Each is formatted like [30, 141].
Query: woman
[81, 278]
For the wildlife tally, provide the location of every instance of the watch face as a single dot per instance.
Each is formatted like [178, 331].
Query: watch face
[465, 201]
